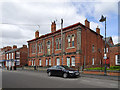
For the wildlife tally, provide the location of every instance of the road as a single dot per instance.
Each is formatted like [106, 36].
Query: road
[31, 79]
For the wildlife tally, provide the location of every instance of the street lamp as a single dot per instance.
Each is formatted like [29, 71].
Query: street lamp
[105, 55]
[62, 40]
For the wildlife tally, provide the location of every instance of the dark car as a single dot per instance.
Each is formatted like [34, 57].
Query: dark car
[63, 71]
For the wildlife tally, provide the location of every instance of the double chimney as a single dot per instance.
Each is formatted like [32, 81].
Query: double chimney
[53, 27]
[37, 34]
[87, 24]
[98, 30]
[14, 46]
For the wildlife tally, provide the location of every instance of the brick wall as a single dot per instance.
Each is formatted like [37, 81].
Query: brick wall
[84, 39]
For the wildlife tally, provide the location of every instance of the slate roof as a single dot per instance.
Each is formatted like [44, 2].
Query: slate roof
[63, 30]
[13, 50]
[107, 40]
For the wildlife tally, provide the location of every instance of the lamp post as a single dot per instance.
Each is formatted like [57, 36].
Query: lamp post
[105, 55]
[62, 40]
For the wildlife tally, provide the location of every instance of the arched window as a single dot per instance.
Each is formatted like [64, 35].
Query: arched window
[46, 62]
[58, 61]
[48, 47]
[49, 62]
[40, 63]
[40, 47]
[73, 40]
[68, 41]
[68, 61]
[59, 43]
[56, 43]
[73, 61]
[32, 62]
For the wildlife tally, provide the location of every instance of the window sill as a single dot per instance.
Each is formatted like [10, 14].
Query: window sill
[57, 49]
[70, 47]
[33, 53]
[39, 52]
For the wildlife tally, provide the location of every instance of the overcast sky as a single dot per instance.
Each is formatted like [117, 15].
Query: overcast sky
[19, 19]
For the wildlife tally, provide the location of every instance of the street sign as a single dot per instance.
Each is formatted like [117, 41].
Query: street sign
[104, 57]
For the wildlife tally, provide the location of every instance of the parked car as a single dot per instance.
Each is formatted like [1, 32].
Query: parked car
[64, 71]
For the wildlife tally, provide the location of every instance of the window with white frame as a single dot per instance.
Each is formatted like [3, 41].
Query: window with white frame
[12, 63]
[40, 47]
[40, 63]
[12, 55]
[117, 59]
[48, 47]
[92, 61]
[17, 54]
[46, 62]
[49, 62]
[107, 50]
[33, 48]
[73, 40]
[59, 43]
[7, 63]
[73, 61]
[18, 62]
[58, 61]
[32, 62]
[56, 43]
[68, 41]
[9, 55]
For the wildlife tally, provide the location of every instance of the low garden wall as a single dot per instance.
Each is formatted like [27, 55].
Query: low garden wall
[98, 72]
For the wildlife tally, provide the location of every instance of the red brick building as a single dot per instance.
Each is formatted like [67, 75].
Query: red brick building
[2, 55]
[109, 44]
[15, 55]
[81, 47]
[115, 55]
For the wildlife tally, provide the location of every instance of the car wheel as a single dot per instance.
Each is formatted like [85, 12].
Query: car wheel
[65, 75]
[49, 73]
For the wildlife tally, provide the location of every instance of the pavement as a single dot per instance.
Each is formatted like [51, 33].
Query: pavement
[35, 79]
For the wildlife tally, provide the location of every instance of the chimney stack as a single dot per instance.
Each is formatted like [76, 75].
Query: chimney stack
[25, 46]
[53, 27]
[98, 30]
[14, 46]
[87, 23]
[37, 34]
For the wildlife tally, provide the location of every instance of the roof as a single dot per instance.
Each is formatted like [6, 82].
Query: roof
[116, 45]
[13, 50]
[63, 30]
[107, 40]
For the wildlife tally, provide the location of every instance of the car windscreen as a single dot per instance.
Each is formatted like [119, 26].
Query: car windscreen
[67, 68]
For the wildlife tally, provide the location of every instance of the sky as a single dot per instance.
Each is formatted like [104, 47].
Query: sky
[19, 19]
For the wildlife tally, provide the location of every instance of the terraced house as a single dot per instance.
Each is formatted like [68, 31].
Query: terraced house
[80, 46]
[16, 57]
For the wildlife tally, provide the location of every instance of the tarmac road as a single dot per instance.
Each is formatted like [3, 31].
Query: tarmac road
[31, 79]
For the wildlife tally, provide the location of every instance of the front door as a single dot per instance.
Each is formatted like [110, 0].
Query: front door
[68, 62]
